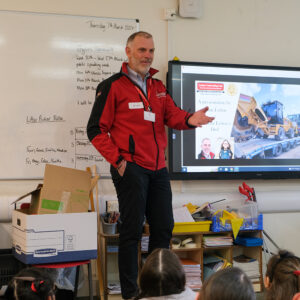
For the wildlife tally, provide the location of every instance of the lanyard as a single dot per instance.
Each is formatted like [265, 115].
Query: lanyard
[145, 100]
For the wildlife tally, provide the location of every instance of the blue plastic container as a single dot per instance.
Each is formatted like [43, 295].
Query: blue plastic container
[248, 241]
[248, 224]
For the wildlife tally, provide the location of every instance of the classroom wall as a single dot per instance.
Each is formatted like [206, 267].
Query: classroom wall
[231, 31]
[239, 31]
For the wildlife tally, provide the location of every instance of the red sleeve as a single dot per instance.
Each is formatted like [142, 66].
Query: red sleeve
[100, 122]
[176, 117]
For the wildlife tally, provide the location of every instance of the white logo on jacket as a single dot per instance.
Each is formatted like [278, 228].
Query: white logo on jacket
[160, 95]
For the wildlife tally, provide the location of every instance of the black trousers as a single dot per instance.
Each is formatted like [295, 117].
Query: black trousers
[141, 193]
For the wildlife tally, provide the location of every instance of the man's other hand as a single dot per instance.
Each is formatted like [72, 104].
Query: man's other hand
[121, 167]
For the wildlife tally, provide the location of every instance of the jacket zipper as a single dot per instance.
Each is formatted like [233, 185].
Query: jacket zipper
[156, 146]
[154, 135]
[131, 147]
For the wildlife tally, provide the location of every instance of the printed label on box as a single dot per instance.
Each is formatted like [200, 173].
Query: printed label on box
[70, 242]
[45, 252]
[45, 240]
[41, 243]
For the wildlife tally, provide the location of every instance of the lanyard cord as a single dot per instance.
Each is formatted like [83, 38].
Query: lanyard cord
[143, 98]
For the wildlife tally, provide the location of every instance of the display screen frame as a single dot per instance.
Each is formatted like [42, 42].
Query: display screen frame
[182, 146]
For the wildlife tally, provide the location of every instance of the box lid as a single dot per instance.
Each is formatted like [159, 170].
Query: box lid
[64, 190]
[62, 178]
[37, 190]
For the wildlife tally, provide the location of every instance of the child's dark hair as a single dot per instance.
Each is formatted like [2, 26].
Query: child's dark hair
[228, 284]
[283, 273]
[161, 275]
[30, 284]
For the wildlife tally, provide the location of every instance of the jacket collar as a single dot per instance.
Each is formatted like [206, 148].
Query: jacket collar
[125, 71]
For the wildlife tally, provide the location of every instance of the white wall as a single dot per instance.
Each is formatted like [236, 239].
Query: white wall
[240, 31]
[231, 31]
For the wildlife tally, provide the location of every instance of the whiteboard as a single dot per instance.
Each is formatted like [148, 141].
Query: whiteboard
[50, 67]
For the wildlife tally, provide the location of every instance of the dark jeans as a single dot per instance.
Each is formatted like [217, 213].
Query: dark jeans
[141, 193]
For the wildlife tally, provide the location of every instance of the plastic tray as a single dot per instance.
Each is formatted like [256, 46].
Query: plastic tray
[192, 226]
[248, 224]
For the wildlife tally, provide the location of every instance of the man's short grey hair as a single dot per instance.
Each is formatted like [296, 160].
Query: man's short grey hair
[138, 33]
[205, 139]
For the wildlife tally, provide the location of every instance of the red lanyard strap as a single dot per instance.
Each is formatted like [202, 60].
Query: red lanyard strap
[144, 99]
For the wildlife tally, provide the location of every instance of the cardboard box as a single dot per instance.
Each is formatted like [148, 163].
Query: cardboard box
[64, 190]
[53, 238]
[57, 226]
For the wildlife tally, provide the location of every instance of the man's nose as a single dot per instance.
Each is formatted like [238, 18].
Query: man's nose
[148, 54]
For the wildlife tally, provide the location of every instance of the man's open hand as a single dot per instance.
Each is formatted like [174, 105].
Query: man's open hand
[200, 118]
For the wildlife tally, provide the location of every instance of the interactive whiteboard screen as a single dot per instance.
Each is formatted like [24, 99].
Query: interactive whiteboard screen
[256, 131]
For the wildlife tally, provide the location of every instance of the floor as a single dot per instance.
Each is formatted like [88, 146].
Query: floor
[259, 296]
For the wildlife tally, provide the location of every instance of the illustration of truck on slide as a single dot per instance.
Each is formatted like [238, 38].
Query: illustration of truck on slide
[252, 121]
[295, 118]
[267, 123]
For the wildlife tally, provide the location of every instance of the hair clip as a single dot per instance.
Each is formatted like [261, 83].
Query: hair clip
[285, 254]
[297, 272]
[33, 286]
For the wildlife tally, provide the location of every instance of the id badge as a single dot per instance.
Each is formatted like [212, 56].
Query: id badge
[135, 105]
[149, 116]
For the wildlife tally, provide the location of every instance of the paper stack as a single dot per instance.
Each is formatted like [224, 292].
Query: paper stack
[193, 273]
[249, 265]
[114, 288]
[217, 241]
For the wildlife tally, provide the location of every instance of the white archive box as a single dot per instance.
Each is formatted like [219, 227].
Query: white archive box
[53, 238]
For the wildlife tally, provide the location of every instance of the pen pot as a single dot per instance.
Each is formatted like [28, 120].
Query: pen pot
[108, 228]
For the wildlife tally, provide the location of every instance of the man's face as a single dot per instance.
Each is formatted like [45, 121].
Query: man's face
[140, 53]
[206, 146]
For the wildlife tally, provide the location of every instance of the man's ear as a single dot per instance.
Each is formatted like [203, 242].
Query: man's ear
[267, 282]
[296, 296]
[127, 50]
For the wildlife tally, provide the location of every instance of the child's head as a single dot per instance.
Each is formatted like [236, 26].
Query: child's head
[227, 284]
[283, 277]
[32, 284]
[162, 274]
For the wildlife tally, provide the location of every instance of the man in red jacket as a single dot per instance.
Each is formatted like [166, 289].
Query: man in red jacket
[127, 126]
[205, 150]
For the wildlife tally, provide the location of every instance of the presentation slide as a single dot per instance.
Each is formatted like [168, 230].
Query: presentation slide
[257, 118]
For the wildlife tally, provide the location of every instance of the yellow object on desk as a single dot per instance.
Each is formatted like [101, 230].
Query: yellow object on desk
[236, 225]
[227, 216]
[191, 207]
[233, 218]
[192, 226]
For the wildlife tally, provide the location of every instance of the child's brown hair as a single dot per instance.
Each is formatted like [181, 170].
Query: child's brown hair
[31, 284]
[283, 276]
[161, 275]
[227, 284]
